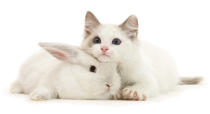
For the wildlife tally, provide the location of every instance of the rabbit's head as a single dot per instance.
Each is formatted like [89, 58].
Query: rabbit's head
[97, 79]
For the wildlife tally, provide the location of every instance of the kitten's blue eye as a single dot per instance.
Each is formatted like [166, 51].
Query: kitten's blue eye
[96, 40]
[116, 41]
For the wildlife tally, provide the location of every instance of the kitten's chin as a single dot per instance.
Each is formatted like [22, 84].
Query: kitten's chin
[104, 59]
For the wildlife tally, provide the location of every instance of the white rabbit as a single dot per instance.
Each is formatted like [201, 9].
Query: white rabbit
[66, 72]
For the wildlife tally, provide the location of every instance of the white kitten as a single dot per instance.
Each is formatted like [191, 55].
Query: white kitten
[145, 69]
[66, 72]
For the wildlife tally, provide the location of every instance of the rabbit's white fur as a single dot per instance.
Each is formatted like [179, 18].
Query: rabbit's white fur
[66, 75]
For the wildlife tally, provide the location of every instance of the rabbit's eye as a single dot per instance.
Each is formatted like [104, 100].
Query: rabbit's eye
[92, 68]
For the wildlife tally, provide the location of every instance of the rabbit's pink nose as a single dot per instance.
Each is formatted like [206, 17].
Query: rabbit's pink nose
[104, 49]
[108, 86]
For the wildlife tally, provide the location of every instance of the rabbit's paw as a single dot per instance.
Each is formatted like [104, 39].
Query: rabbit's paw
[130, 93]
[15, 88]
[40, 94]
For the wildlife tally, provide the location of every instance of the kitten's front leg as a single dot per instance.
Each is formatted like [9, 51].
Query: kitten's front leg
[131, 93]
[141, 90]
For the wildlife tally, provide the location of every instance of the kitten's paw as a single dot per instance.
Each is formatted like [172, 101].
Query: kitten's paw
[132, 94]
[118, 96]
[40, 94]
[15, 88]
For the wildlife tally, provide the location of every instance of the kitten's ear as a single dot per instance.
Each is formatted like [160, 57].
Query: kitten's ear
[91, 22]
[61, 51]
[130, 26]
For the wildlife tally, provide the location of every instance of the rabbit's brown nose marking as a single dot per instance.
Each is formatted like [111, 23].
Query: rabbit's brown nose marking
[108, 86]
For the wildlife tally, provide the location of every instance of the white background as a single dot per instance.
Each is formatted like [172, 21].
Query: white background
[181, 27]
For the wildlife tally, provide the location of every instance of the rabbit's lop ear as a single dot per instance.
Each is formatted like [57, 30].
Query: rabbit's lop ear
[61, 51]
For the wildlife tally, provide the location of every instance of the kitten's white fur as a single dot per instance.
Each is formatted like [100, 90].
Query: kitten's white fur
[45, 77]
[145, 69]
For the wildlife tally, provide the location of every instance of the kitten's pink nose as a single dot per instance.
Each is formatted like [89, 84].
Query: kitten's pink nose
[104, 49]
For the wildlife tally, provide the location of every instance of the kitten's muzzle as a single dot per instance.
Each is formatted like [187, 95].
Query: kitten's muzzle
[104, 49]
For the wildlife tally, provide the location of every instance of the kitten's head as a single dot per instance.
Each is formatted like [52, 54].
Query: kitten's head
[109, 42]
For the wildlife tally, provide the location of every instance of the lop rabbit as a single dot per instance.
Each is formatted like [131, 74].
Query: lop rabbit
[67, 72]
